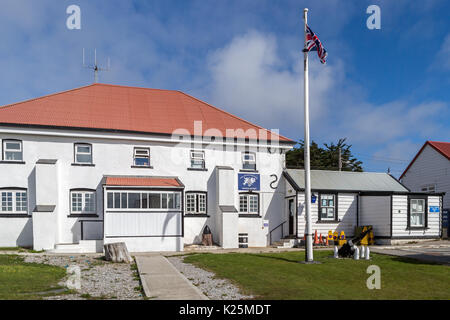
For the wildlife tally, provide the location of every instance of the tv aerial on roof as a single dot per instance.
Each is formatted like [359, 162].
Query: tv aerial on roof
[95, 66]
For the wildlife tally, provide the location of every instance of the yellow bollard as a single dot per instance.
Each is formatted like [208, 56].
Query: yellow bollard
[342, 240]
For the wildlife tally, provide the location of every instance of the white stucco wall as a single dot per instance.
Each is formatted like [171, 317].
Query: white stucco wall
[113, 155]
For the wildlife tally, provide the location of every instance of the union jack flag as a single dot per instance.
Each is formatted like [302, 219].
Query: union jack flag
[313, 43]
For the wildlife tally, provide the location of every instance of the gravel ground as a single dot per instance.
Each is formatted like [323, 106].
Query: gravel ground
[213, 288]
[100, 279]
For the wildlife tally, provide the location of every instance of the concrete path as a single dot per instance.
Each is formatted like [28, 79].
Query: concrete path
[162, 281]
[433, 254]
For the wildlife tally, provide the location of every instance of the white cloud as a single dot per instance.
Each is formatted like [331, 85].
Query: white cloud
[249, 78]
[443, 56]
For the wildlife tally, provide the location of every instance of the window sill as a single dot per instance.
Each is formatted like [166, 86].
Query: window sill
[83, 164]
[15, 215]
[328, 221]
[83, 215]
[142, 167]
[196, 215]
[12, 162]
[248, 170]
[249, 215]
[197, 169]
[417, 228]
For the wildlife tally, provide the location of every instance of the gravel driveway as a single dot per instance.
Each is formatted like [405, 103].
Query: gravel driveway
[100, 279]
[213, 288]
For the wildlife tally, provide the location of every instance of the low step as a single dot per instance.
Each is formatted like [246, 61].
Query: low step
[84, 246]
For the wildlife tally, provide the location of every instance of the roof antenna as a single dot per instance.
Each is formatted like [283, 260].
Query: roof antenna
[95, 66]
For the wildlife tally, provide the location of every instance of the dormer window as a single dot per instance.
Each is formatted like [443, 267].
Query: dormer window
[12, 150]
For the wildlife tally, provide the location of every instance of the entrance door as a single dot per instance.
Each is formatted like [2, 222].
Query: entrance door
[291, 216]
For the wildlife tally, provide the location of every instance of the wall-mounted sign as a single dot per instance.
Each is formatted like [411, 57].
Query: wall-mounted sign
[434, 209]
[313, 198]
[248, 181]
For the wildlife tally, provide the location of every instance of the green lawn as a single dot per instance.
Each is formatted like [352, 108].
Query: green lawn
[280, 276]
[20, 280]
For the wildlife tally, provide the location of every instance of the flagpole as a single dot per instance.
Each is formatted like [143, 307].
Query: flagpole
[309, 248]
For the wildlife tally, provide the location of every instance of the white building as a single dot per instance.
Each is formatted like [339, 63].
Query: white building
[344, 200]
[430, 170]
[152, 168]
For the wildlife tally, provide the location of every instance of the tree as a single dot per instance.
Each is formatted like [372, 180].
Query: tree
[326, 158]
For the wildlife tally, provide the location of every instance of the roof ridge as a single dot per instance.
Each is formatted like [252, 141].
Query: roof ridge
[232, 115]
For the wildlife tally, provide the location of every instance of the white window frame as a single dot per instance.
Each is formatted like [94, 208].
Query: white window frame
[19, 151]
[14, 201]
[251, 162]
[83, 194]
[83, 153]
[195, 157]
[200, 202]
[321, 196]
[146, 156]
[423, 213]
[249, 197]
[164, 198]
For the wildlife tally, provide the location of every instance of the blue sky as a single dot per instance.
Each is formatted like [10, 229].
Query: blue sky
[386, 90]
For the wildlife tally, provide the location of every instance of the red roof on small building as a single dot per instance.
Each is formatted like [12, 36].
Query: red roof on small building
[143, 182]
[128, 109]
[441, 147]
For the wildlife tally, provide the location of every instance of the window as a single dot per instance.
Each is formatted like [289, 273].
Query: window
[249, 203]
[196, 202]
[141, 157]
[248, 161]
[13, 201]
[12, 150]
[417, 213]
[82, 202]
[83, 153]
[327, 205]
[138, 200]
[197, 159]
[429, 188]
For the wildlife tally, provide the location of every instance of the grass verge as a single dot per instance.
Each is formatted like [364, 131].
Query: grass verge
[23, 281]
[280, 276]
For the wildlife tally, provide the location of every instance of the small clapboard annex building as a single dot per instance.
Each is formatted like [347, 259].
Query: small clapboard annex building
[151, 168]
[343, 200]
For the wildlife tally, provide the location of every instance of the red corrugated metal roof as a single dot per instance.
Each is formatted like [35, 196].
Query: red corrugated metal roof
[441, 147]
[120, 108]
[142, 182]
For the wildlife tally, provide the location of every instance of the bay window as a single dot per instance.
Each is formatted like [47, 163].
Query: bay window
[140, 200]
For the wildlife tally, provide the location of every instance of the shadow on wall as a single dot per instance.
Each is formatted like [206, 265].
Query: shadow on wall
[212, 207]
[275, 212]
[25, 238]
